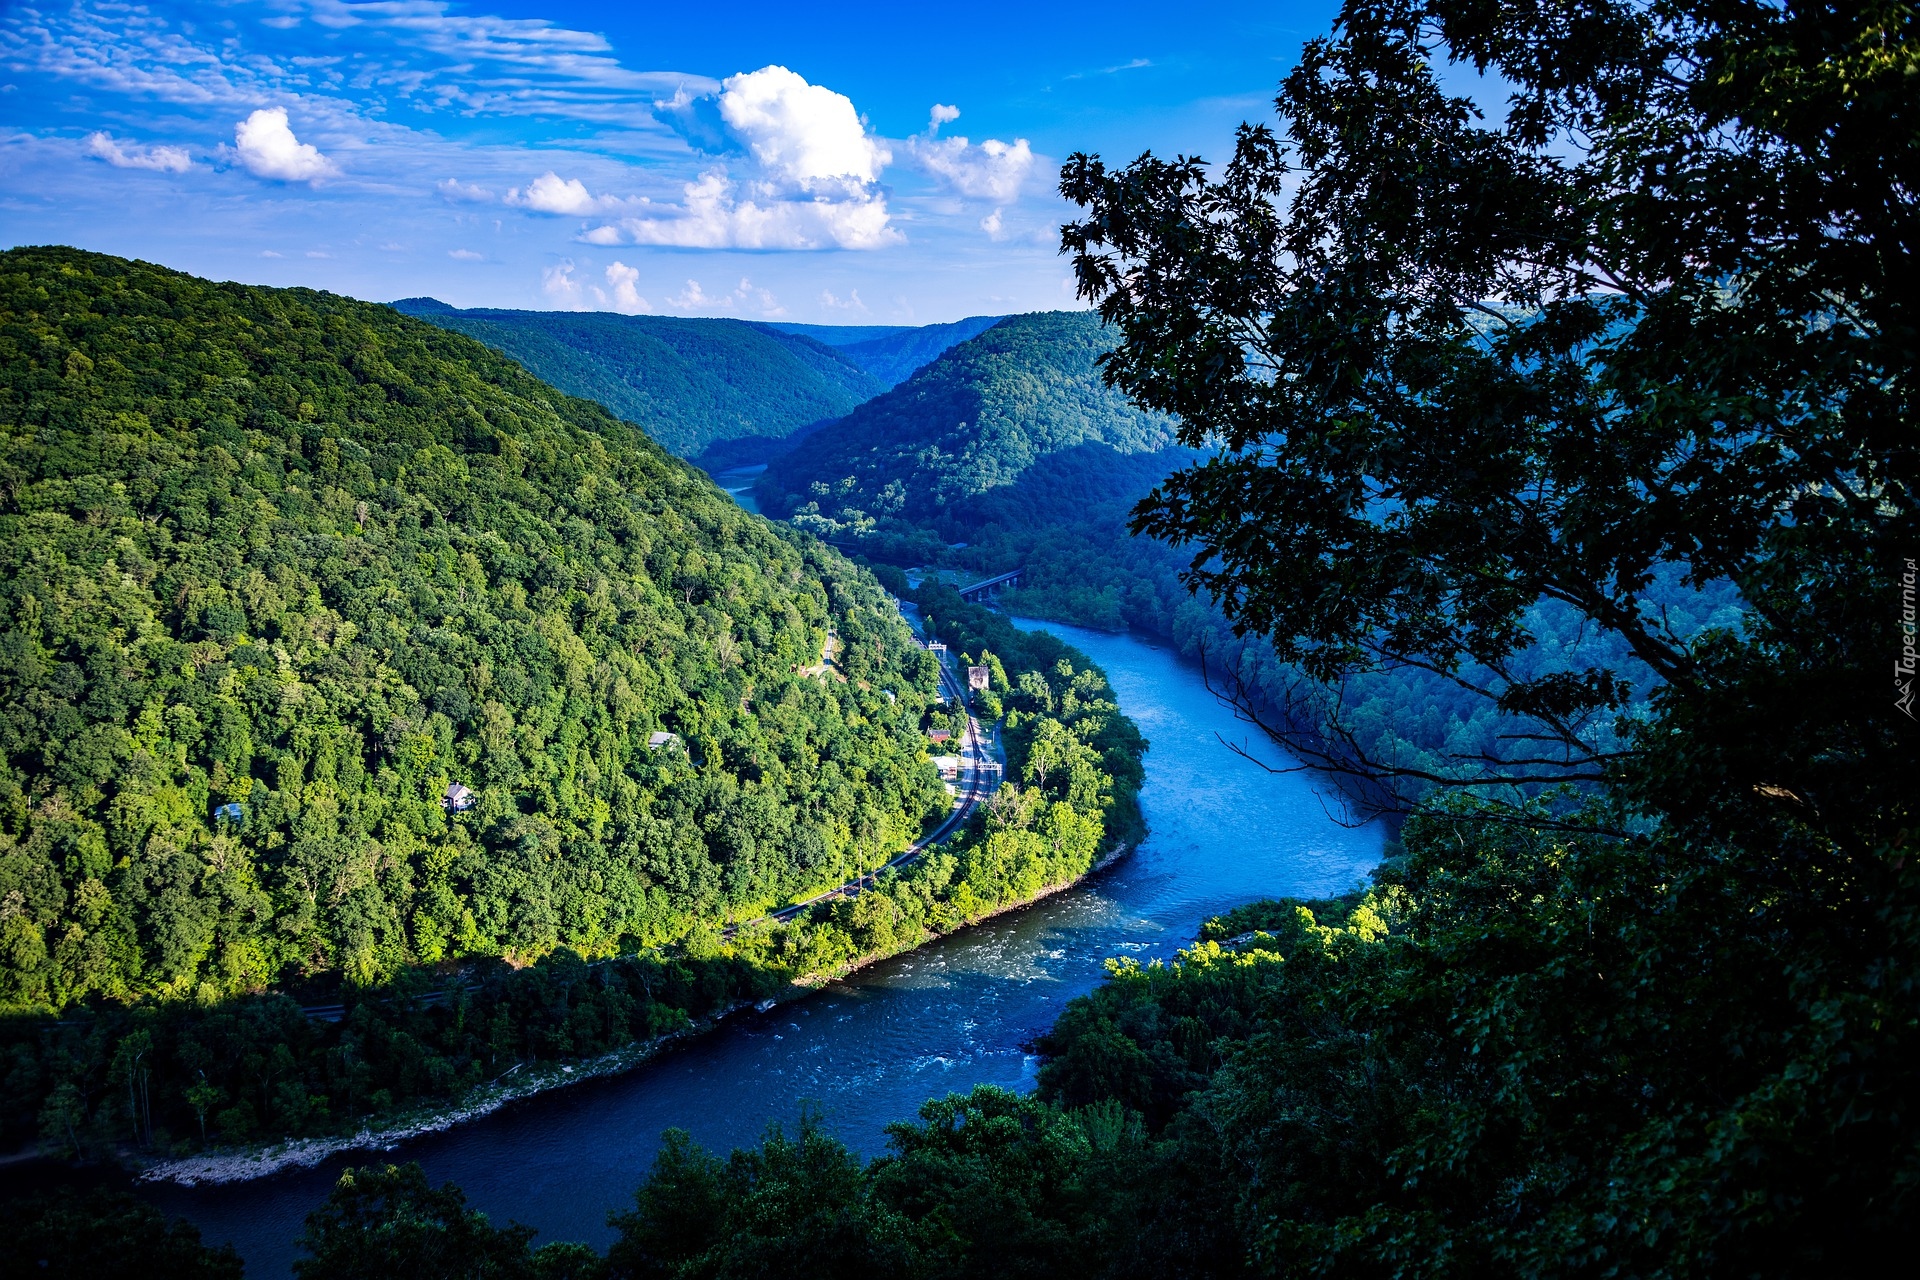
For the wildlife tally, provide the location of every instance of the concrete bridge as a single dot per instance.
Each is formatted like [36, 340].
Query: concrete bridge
[991, 586]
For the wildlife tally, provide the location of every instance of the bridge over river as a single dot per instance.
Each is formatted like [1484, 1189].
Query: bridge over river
[987, 588]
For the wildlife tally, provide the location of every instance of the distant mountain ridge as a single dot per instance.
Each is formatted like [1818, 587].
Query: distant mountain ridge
[1013, 427]
[893, 353]
[715, 391]
[718, 391]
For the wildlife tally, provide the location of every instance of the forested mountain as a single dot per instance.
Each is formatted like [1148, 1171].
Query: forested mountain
[279, 567]
[720, 391]
[895, 357]
[1013, 427]
[890, 352]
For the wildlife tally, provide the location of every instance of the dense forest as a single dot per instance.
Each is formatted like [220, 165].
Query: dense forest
[954, 449]
[1069, 796]
[1659, 1025]
[1054, 497]
[721, 391]
[283, 568]
[895, 357]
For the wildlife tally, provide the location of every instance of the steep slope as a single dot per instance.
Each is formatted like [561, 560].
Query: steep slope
[317, 561]
[1011, 427]
[721, 391]
[894, 355]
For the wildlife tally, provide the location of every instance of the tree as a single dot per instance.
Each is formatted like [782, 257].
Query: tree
[1654, 323]
[105, 1235]
[391, 1222]
[1651, 328]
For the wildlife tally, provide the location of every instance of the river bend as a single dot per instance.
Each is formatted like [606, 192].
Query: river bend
[868, 1050]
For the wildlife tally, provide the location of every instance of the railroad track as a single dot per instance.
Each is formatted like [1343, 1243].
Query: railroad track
[983, 779]
[981, 784]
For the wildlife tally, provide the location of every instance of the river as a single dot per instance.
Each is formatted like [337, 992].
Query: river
[869, 1050]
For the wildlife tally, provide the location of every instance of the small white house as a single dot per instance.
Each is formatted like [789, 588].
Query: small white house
[949, 766]
[660, 738]
[458, 799]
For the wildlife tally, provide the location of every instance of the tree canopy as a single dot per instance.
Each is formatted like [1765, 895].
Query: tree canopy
[1010, 427]
[1656, 316]
[723, 391]
[278, 568]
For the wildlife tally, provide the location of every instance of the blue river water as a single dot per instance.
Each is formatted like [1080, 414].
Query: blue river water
[867, 1051]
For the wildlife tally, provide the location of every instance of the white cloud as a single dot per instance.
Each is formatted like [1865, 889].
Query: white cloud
[713, 217]
[268, 149]
[941, 115]
[417, 50]
[690, 298]
[104, 146]
[468, 192]
[626, 288]
[849, 303]
[465, 255]
[994, 170]
[745, 297]
[805, 133]
[549, 193]
[558, 283]
[993, 225]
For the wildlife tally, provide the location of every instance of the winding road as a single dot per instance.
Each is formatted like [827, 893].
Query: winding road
[980, 767]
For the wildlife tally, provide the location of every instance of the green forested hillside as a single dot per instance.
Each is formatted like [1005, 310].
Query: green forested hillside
[289, 552]
[895, 357]
[891, 353]
[722, 391]
[947, 452]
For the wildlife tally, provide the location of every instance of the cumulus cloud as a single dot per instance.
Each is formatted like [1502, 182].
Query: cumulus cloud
[465, 255]
[805, 133]
[465, 192]
[550, 193]
[267, 147]
[851, 302]
[745, 297]
[625, 282]
[941, 114]
[104, 146]
[714, 216]
[558, 283]
[994, 170]
[811, 180]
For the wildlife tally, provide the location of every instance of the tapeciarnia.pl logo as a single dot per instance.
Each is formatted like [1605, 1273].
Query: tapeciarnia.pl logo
[1903, 667]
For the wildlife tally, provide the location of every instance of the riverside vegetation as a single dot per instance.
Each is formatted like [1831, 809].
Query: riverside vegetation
[280, 568]
[1011, 449]
[1657, 1022]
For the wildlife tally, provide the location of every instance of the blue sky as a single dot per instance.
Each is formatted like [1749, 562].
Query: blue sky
[846, 163]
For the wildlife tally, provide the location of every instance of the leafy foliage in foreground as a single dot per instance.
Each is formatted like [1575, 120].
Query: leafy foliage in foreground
[103, 1235]
[723, 391]
[1518, 1054]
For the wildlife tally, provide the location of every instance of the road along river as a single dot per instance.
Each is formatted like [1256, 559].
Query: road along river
[870, 1049]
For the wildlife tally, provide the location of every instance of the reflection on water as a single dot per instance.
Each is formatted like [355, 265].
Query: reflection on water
[869, 1050]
